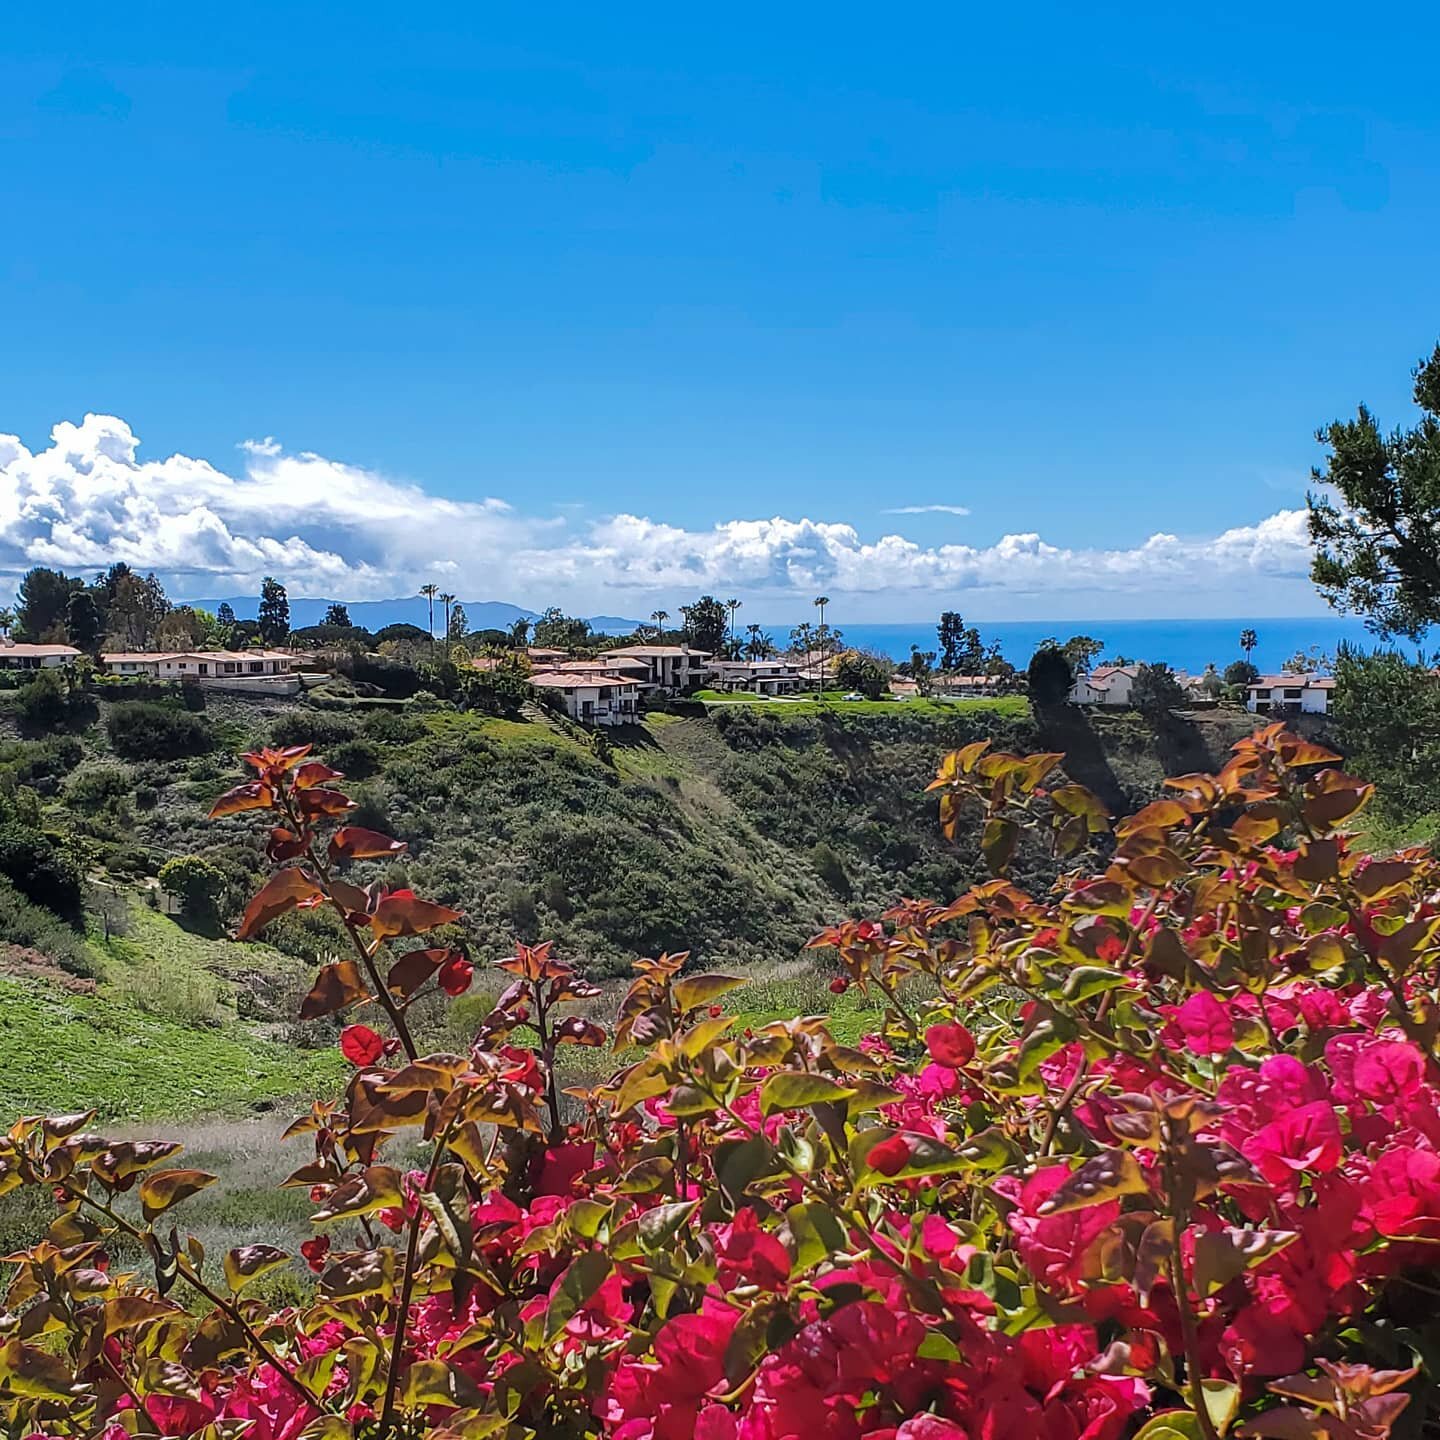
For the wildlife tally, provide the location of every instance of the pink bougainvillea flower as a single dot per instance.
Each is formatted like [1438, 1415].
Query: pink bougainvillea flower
[1205, 1022]
[746, 1254]
[1388, 1071]
[890, 1156]
[360, 1045]
[951, 1045]
[1307, 1139]
[315, 1251]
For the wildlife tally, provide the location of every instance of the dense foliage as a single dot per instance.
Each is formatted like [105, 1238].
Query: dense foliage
[1155, 1152]
[1377, 530]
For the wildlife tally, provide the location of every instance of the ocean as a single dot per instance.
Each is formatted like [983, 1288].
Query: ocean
[1181, 644]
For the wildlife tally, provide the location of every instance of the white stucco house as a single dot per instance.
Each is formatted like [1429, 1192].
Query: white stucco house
[669, 669]
[1274, 694]
[1104, 685]
[593, 695]
[272, 671]
[16, 655]
[759, 677]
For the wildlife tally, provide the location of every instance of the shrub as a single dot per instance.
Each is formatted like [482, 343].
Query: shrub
[40, 870]
[143, 730]
[1151, 1155]
[197, 883]
[96, 787]
[393, 727]
[312, 727]
[355, 759]
[49, 702]
[29, 925]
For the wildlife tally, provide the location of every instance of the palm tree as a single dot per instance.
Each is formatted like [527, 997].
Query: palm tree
[7, 620]
[660, 617]
[447, 600]
[1248, 641]
[519, 633]
[430, 592]
[732, 606]
[751, 649]
[821, 601]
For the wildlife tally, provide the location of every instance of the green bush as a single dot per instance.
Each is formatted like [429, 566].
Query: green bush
[198, 884]
[355, 759]
[36, 762]
[390, 727]
[24, 923]
[40, 870]
[49, 702]
[96, 788]
[319, 728]
[142, 730]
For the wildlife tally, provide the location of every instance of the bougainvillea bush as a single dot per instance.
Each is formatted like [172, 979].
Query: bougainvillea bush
[1156, 1153]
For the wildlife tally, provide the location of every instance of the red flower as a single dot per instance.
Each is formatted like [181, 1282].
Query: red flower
[839, 985]
[890, 1156]
[455, 975]
[360, 1045]
[1303, 1139]
[748, 1254]
[315, 1252]
[951, 1045]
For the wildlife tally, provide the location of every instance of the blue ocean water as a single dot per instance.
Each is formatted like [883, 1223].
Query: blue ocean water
[1181, 644]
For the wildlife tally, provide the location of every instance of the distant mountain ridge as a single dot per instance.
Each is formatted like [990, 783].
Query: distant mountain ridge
[407, 610]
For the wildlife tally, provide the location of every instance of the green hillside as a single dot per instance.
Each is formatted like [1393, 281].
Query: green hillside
[735, 832]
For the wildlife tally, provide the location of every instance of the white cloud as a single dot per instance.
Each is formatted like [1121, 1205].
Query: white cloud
[331, 529]
[927, 510]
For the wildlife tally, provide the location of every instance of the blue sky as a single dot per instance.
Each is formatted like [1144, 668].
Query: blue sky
[1093, 273]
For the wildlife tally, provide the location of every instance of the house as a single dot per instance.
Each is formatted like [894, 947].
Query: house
[1104, 685]
[270, 671]
[968, 685]
[758, 677]
[669, 669]
[593, 696]
[1275, 694]
[546, 655]
[903, 689]
[15, 655]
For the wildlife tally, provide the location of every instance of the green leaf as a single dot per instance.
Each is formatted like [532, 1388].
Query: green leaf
[1105, 1176]
[1172, 1425]
[704, 990]
[1087, 980]
[244, 1263]
[161, 1189]
[998, 841]
[816, 1231]
[658, 1228]
[938, 1346]
[1222, 1403]
[795, 1089]
[587, 1273]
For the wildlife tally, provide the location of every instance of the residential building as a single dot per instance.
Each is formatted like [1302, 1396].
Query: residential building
[270, 671]
[1104, 685]
[593, 696]
[973, 686]
[16, 655]
[759, 677]
[669, 669]
[1276, 694]
[903, 689]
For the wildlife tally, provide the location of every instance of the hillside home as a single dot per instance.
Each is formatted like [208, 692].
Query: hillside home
[903, 689]
[1104, 685]
[592, 696]
[970, 686]
[669, 669]
[759, 677]
[1275, 694]
[269, 670]
[15, 655]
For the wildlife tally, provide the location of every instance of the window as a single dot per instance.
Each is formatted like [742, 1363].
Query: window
[1293, 694]
[204, 668]
[257, 667]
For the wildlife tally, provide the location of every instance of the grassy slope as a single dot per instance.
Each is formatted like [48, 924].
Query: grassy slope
[175, 1024]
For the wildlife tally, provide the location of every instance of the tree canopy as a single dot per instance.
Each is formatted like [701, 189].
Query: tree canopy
[274, 614]
[1377, 537]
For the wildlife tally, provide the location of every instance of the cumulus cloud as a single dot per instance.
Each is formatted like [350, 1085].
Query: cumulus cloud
[927, 510]
[332, 529]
